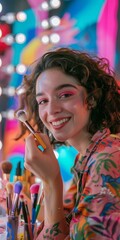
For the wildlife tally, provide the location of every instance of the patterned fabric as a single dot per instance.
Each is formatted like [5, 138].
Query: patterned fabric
[93, 200]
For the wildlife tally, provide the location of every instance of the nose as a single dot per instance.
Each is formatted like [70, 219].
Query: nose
[54, 107]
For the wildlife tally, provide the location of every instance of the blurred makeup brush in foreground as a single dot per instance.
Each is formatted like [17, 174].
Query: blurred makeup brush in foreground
[39, 199]
[26, 217]
[9, 189]
[6, 169]
[34, 190]
[21, 116]
[17, 190]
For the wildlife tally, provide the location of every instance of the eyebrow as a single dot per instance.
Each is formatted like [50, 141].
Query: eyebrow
[59, 88]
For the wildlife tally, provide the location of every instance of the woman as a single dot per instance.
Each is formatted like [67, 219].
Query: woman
[75, 97]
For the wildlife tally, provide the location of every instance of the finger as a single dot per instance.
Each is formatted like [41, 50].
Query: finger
[39, 143]
[40, 140]
[31, 142]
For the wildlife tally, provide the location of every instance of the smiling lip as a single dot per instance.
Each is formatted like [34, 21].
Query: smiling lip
[59, 123]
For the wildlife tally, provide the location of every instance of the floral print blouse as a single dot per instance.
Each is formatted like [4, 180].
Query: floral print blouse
[92, 204]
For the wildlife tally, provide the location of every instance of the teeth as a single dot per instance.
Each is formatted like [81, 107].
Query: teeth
[59, 122]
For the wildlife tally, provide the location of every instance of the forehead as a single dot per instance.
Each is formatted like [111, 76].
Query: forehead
[52, 78]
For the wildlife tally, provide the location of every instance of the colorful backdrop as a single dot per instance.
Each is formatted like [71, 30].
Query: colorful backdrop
[88, 25]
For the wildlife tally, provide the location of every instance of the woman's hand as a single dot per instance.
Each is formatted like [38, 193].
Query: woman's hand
[44, 165]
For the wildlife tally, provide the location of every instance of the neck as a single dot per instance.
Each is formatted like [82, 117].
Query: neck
[81, 142]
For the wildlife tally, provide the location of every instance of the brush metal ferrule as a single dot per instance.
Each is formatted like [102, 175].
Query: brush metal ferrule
[29, 127]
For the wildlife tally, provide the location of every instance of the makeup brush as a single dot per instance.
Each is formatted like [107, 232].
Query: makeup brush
[21, 115]
[28, 217]
[39, 203]
[25, 216]
[21, 197]
[9, 189]
[39, 199]
[34, 189]
[6, 169]
[17, 190]
[27, 211]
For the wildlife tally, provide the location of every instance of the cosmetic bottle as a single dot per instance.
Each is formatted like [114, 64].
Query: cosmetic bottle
[18, 176]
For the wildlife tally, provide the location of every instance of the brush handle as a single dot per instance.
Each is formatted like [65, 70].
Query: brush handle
[29, 222]
[15, 204]
[10, 202]
[37, 136]
[33, 218]
[29, 127]
[39, 204]
[37, 210]
[26, 220]
[39, 139]
[19, 208]
[7, 206]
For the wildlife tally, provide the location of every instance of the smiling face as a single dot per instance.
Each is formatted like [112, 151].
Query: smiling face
[62, 105]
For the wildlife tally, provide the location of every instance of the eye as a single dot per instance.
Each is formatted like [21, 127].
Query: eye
[42, 101]
[65, 95]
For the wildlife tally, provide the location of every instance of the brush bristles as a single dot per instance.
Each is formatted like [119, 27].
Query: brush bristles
[9, 188]
[6, 167]
[21, 115]
[18, 187]
[34, 188]
[21, 197]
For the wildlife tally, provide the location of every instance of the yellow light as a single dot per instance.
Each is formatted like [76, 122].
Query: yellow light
[9, 69]
[55, 3]
[9, 91]
[20, 38]
[1, 7]
[8, 18]
[0, 62]
[54, 37]
[8, 39]
[10, 114]
[21, 16]
[21, 68]
[45, 39]
[54, 21]
[0, 33]
[0, 91]
[45, 24]
[45, 5]
[1, 145]
[0, 117]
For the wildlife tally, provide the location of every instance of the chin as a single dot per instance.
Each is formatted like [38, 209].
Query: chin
[60, 139]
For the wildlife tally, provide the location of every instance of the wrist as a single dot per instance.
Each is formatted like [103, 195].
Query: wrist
[53, 200]
[53, 183]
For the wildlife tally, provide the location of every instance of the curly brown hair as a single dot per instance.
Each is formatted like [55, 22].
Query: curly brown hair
[91, 72]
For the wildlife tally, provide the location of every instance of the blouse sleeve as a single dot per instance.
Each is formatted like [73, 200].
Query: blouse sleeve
[97, 212]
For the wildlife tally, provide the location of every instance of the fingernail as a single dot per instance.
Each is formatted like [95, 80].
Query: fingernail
[41, 148]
